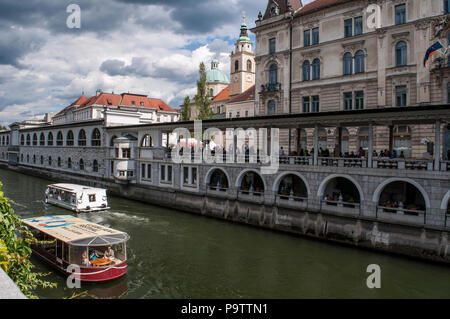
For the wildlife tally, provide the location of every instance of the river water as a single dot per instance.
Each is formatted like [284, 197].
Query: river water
[178, 255]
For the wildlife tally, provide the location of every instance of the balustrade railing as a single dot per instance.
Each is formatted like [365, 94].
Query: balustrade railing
[401, 212]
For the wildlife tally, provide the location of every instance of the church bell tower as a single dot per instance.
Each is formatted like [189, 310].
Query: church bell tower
[242, 63]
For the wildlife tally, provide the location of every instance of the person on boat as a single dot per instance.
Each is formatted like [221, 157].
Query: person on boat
[109, 253]
[85, 262]
[93, 255]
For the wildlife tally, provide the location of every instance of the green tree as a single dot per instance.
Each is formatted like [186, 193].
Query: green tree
[3, 128]
[186, 109]
[202, 98]
[15, 250]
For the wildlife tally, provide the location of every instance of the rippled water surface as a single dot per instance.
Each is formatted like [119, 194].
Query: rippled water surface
[178, 255]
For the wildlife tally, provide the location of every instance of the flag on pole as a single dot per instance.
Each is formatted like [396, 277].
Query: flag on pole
[431, 51]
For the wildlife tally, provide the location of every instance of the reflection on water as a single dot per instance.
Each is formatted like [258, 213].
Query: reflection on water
[178, 255]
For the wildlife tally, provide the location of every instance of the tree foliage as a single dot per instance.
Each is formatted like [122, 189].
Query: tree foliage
[202, 98]
[186, 110]
[15, 250]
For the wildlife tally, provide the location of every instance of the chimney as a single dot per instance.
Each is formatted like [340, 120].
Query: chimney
[99, 91]
[48, 117]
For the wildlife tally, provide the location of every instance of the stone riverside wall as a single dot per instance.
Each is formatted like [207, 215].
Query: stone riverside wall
[420, 241]
[8, 289]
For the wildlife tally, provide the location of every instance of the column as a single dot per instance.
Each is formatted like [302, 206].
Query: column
[391, 138]
[370, 155]
[339, 140]
[437, 146]
[316, 145]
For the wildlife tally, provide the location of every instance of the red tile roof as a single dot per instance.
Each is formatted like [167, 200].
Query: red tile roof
[223, 95]
[282, 5]
[248, 95]
[318, 5]
[126, 99]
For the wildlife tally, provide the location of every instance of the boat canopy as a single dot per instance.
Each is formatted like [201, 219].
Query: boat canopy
[73, 188]
[76, 232]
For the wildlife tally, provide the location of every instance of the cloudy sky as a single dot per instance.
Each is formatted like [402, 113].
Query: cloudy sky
[148, 47]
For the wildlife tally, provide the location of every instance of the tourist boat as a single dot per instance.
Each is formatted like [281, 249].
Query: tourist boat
[78, 198]
[65, 241]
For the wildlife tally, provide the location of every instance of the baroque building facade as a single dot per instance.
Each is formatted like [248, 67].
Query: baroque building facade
[340, 55]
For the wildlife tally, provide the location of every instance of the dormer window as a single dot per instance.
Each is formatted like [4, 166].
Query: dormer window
[133, 103]
[142, 103]
[274, 11]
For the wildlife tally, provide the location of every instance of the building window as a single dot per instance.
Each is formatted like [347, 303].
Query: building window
[401, 54]
[236, 66]
[246, 113]
[359, 100]
[400, 96]
[42, 140]
[271, 107]
[306, 71]
[166, 173]
[147, 141]
[359, 62]
[348, 63]
[95, 166]
[448, 93]
[96, 138]
[59, 161]
[446, 6]
[307, 38]
[70, 139]
[316, 69]
[238, 114]
[69, 163]
[348, 28]
[126, 153]
[306, 104]
[358, 25]
[49, 161]
[143, 167]
[190, 176]
[35, 139]
[273, 76]
[348, 101]
[22, 140]
[315, 36]
[82, 138]
[59, 139]
[272, 46]
[249, 66]
[81, 165]
[50, 139]
[400, 14]
[315, 104]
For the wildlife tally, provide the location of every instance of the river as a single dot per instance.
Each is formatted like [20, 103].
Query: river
[178, 255]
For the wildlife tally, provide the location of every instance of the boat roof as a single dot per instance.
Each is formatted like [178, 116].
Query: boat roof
[76, 231]
[75, 188]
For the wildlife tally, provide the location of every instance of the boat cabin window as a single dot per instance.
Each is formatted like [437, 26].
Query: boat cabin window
[92, 198]
[113, 256]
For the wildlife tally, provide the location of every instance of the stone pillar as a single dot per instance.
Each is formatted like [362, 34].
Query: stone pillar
[316, 145]
[391, 138]
[370, 155]
[437, 146]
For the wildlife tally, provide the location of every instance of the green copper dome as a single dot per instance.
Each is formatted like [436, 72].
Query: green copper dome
[215, 75]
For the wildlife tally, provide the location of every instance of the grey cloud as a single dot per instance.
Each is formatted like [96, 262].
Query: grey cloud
[15, 43]
[142, 67]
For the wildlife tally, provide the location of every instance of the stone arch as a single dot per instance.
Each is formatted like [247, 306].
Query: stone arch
[212, 170]
[324, 184]
[379, 190]
[243, 173]
[445, 201]
[280, 177]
